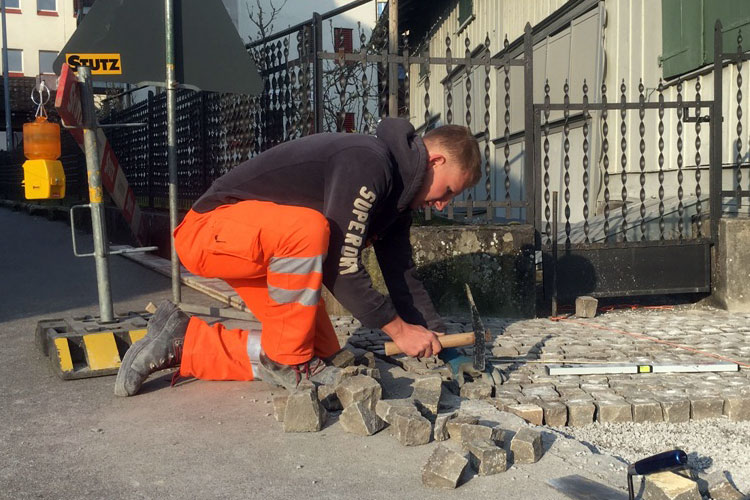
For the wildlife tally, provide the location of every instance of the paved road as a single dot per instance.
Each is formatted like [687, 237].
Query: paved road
[74, 439]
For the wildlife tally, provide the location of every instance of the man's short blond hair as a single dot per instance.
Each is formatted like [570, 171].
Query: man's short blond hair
[459, 142]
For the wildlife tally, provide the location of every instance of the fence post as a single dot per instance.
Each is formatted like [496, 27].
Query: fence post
[150, 148]
[318, 71]
[715, 173]
[393, 51]
[202, 123]
[529, 173]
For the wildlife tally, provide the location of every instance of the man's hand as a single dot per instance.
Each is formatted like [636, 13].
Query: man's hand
[414, 340]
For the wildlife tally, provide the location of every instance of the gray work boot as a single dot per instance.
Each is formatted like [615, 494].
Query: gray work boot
[289, 376]
[161, 348]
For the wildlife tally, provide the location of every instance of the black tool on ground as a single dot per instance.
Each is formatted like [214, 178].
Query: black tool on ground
[662, 462]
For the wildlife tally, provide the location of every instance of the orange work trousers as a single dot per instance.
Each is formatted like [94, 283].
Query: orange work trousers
[272, 256]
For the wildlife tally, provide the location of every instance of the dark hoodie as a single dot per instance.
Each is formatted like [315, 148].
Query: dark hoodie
[363, 185]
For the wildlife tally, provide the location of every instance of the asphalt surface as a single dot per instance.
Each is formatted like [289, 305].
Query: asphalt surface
[75, 439]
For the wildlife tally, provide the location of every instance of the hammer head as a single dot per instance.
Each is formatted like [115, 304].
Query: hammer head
[479, 332]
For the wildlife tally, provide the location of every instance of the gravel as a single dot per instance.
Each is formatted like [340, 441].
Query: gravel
[711, 445]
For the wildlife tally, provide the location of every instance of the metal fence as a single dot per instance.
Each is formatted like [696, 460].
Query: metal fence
[616, 208]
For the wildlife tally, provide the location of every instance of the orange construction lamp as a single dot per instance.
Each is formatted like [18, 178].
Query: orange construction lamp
[43, 174]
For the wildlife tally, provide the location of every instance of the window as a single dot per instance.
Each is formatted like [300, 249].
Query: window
[380, 7]
[82, 7]
[15, 61]
[465, 11]
[46, 58]
[348, 123]
[13, 4]
[46, 5]
[342, 42]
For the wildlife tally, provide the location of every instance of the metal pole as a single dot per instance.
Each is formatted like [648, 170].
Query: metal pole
[554, 252]
[317, 72]
[6, 84]
[96, 198]
[172, 143]
[715, 173]
[393, 50]
[528, 85]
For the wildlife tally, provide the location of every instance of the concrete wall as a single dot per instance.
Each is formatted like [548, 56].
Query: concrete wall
[731, 281]
[496, 262]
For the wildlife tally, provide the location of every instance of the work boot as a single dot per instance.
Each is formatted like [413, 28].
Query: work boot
[161, 348]
[289, 376]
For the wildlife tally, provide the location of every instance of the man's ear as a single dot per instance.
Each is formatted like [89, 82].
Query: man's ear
[436, 159]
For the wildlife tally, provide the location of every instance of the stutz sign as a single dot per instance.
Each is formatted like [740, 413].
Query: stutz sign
[100, 64]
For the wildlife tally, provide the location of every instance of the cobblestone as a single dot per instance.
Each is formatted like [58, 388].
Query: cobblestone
[521, 350]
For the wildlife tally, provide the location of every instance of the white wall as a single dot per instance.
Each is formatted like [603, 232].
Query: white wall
[33, 32]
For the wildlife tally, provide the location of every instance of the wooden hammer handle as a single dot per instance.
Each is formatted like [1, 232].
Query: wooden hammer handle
[453, 340]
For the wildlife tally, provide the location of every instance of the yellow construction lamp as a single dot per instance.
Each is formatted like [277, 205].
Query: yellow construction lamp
[43, 174]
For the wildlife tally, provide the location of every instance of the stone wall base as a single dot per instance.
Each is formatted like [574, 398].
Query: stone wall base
[731, 277]
[496, 261]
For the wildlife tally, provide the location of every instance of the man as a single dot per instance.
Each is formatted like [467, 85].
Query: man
[281, 225]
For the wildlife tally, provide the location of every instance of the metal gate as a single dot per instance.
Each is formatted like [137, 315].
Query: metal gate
[626, 248]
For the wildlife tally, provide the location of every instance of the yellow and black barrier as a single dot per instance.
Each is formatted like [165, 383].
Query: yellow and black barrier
[82, 347]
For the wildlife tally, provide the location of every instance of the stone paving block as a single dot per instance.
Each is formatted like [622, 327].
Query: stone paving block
[706, 407]
[304, 412]
[669, 486]
[613, 411]
[526, 446]
[279, 406]
[386, 409]
[543, 391]
[646, 410]
[359, 418]
[586, 306]
[501, 436]
[476, 390]
[719, 487]
[555, 413]
[486, 458]
[675, 410]
[606, 395]
[504, 352]
[411, 430]
[580, 412]
[367, 359]
[444, 468]
[456, 424]
[474, 432]
[439, 430]
[427, 392]
[359, 388]
[534, 414]
[328, 398]
[574, 393]
[342, 359]
[737, 407]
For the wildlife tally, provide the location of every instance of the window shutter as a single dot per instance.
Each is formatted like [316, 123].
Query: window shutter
[465, 10]
[682, 40]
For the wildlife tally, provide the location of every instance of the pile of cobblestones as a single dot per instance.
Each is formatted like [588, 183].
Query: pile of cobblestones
[356, 398]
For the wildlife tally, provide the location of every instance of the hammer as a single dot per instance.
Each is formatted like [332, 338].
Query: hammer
[476, 338]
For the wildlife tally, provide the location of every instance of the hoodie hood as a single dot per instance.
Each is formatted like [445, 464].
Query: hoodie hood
[409, 153]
